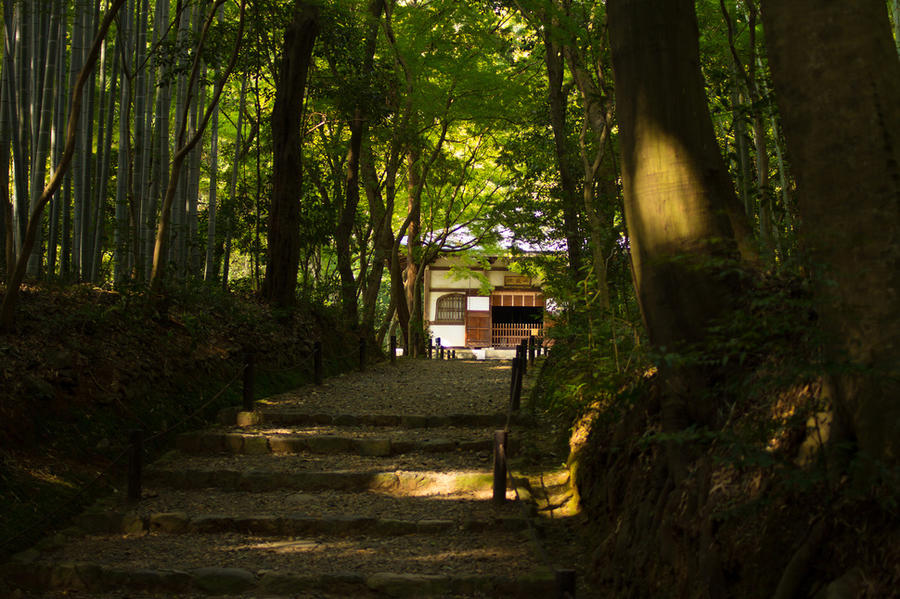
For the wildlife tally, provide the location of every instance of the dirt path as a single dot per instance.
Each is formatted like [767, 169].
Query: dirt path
[375, 484]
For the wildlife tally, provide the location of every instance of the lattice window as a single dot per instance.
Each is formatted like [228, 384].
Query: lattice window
[451, 308]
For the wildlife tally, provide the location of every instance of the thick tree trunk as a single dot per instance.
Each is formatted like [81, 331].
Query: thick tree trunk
[284, 216]
[358, 130]
[558, 98]
[382, 243]
[344, 229]
[847, 169]
[678, 195]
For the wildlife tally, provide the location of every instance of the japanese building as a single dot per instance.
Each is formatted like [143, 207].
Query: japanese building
[481, 306]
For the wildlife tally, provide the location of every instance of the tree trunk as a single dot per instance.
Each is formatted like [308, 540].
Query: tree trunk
[677, 191]
[120, 236]
[851, 213]
[344, 228]
[553, 57]
[6, 210]
[284, 216]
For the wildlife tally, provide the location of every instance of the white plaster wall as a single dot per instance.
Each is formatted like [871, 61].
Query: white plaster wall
[452, 335]
[445, 278]
[478, 303]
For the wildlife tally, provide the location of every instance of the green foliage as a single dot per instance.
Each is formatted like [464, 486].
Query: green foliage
[596, 357]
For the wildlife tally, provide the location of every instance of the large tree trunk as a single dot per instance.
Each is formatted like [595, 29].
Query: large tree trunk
[284, 216]
[847, 168]
[358, 130]
[678, 195]
[558, 98]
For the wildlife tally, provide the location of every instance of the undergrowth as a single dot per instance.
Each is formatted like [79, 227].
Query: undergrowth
[85, 366]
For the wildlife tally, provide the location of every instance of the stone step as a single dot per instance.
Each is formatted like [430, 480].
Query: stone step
[415, 483]
[363, 442]
[288, 417]
[288, 525]
[299, 464]
[101, 582]
[499, 564]
[459, 508]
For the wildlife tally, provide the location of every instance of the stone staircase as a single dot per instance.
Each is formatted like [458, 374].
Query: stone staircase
[303, 497]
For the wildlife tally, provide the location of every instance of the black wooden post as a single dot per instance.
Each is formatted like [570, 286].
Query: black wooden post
[135, 464]
[512, 382]
[523, 353]
[249, 380]
[437, 350]
[531, 344]
[362, 355]
[500, 466]
[442, 352]
[393, 348]
[517, 384]
[430, 347]
[317, 362]
[565, 583]
[453, 355]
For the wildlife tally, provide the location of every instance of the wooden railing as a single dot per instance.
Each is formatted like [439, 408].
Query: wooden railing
[511, 334]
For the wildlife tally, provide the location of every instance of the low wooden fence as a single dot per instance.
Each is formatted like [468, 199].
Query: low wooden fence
[511, 334]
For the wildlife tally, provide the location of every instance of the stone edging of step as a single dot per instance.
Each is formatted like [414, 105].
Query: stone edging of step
[223, 581]
[213, 442]
[235, 415]
[113, 522]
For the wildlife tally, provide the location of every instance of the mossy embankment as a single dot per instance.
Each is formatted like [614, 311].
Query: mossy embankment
[768, 505]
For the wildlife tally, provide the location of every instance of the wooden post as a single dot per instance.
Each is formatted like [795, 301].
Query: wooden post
[362, 355]
[437, 345]
[500, 438]
[453, 355]
[393, 348]
[523, 354]
[430, 347]
[565, 583]
[249, 380]
[517, 385]
[442, 352]
[531, 344]
[317, 362]
[512, 382]
[135, 464]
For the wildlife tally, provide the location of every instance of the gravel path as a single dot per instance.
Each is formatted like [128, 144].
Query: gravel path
[410, 387]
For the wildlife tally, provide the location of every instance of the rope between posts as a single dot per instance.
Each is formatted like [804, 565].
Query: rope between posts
[193, 414]
[54, 514]
[303, 362]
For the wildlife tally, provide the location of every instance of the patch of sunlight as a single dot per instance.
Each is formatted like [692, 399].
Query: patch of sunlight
[283, 547]
[439, 485]
[474, 555]
[50, 478]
